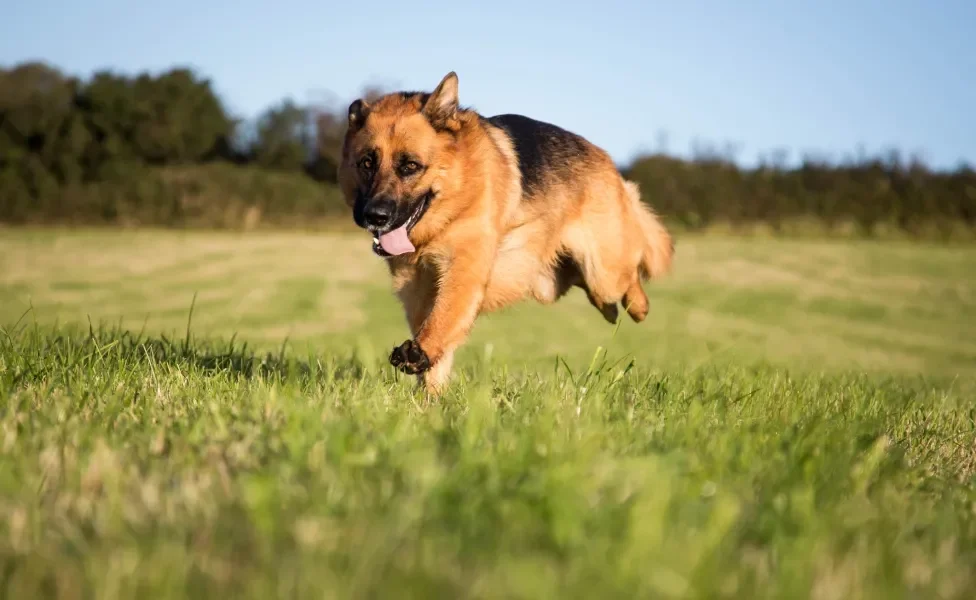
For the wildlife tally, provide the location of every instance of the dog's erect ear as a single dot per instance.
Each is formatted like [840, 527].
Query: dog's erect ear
[442, 106]
[358, 111]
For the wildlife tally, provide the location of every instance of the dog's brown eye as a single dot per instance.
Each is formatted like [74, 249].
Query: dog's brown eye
[410, 167]
[366, 163]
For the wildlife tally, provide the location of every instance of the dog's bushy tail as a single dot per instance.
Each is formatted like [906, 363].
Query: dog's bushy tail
[658, 244]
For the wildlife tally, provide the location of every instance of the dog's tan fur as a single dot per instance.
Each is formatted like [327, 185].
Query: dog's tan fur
[487, 241]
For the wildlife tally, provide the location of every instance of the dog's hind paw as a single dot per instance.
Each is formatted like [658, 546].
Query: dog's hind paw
[410, 358]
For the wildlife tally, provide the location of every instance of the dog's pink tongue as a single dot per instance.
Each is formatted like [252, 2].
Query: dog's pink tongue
[396, 242]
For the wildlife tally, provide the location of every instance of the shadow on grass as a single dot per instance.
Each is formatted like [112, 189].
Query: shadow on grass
[33, 353]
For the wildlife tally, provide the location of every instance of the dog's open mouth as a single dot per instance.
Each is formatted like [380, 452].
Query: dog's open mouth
[397, 241]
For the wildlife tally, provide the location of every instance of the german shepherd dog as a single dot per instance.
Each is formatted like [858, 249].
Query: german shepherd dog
[473, 214]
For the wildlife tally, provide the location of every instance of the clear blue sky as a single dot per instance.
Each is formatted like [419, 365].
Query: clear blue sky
[821, 75]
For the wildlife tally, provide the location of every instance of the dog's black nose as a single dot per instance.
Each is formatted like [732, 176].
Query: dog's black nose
[379, 212]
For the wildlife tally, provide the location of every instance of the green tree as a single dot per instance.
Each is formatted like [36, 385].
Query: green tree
[283, 137]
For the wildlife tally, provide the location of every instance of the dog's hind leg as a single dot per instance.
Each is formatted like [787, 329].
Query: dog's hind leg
[609, 311]
[617, 246]
[598, 265]
[565, 275]
[635, 301]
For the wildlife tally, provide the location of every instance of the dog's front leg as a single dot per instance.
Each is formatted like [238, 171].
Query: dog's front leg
[457, 303]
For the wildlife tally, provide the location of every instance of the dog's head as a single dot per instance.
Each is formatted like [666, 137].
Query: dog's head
[397, 154]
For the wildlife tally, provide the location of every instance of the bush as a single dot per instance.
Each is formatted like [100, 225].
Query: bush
[214, 195]
[872, 195]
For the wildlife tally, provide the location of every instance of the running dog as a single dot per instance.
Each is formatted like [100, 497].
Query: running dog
[474, 213]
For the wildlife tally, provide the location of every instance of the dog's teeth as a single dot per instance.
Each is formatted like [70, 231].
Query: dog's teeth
[376, 240]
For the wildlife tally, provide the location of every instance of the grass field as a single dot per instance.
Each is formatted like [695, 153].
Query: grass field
[794, 419]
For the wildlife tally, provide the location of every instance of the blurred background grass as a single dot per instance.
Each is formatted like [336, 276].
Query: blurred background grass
[875, 306]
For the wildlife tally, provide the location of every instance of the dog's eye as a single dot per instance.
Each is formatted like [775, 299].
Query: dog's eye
[366, 163]
[409, 167]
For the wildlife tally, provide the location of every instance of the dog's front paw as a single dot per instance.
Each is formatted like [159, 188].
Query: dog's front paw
[410, 358]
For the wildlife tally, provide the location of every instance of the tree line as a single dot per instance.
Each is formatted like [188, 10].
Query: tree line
[162, 149]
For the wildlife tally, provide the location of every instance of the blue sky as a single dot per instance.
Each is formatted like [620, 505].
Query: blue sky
[803, 75]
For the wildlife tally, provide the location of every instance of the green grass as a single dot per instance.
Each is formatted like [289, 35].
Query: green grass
[794, 419]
